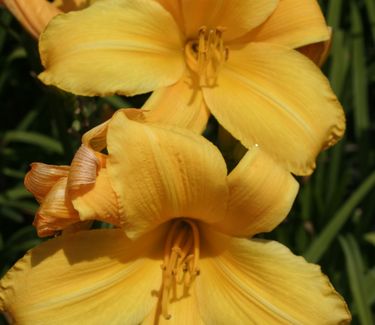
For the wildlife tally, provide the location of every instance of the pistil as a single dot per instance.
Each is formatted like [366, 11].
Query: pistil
[206, 55]
[181, 257]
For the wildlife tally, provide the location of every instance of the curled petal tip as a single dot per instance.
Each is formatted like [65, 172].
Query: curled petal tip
[42, 177]
[84, 168]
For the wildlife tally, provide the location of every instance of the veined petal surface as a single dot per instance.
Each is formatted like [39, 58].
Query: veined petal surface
[84, 168]
[42, 177]
[181, 105]
[114, 46]
[261, 194]
[236, 16]
[91, 277]
[294, 23]
[56, 211]
[277, 98]
[34, 15]
[161, 172]
[261, 282]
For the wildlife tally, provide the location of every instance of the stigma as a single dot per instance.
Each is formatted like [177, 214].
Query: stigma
[181, 257]
[206, 55]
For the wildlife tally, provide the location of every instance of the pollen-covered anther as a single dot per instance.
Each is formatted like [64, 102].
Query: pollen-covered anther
[181, 257]
[206, 55]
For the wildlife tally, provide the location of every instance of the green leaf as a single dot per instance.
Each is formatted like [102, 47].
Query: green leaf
[339, 63]
[34, 138]
[370, 286]
[370, 237]
[25, 206]
[25, 233]
[10, 172]
[18, 53]
[17, 192]
[305, 198]
[359, 84]
[354, 267]
[334, 13]
[11, 214]
[320, 245]
[320, 185]
[370, 6]
[27, 120]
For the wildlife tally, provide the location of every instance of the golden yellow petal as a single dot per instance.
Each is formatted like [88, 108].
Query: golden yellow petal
[96, 138]
[174, 8]
[34, 15]
[261, 282]
[294, 23]
[160, 172]
[181, 105]
[56, 211]
[88, 185]
[84, 168]
[261, 194]
[126, 47]
[97, 201]
[40, 179]
[91, 277]
[275, 97]
[317, 52]
[237, 17]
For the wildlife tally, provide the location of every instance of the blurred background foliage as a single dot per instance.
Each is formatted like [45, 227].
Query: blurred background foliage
[333, 219]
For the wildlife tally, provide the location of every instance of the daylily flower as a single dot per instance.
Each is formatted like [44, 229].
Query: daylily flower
[179, 210]
[34, 15]
[233, 58]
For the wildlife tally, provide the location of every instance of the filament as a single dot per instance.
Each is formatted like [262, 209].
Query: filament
[181, 257]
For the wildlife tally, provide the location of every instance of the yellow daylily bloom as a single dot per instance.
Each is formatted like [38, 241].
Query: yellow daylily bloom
[88, 189]
[178, 209]
[34, 15]
[235, 59]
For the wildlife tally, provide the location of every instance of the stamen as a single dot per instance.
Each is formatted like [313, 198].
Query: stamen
[181, 257]
[196, 250]
[185, 250]
[206, 55]
[168, 243]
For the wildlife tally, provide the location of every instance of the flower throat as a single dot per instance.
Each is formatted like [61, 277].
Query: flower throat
[181, 256]
[206, 55]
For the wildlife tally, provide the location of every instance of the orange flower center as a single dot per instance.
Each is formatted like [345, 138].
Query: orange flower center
[206, 55]
[181, 256]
